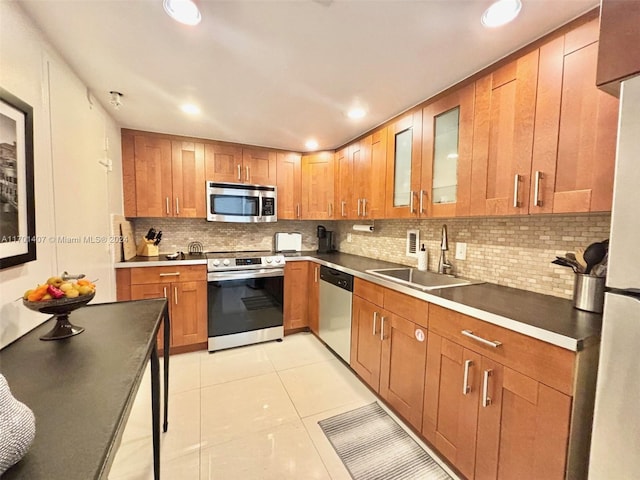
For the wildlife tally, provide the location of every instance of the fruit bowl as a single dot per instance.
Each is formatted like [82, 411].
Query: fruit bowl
[60, 308]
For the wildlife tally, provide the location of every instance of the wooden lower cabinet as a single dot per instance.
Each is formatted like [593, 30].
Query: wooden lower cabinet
[389, 353]
[313, 286]
[296, 303]
[187, 299]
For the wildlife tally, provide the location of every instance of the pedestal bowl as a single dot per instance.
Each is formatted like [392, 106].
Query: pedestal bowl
[60, 308]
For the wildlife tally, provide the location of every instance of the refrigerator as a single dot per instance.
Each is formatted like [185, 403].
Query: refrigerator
[615, 444]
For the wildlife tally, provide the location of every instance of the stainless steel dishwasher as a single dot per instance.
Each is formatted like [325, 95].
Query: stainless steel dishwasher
[336, 292]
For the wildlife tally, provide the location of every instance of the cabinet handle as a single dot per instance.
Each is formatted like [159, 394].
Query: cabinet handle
[359, 200]
[315, 274]
[165, 291]
[466, 388]
[410, 201]
[375, 320]
[330, 209]
[484, 341]
[239, 173]
[298, 209]
[248, 173]
[364, 207]
[342, 205]
[537, 202]
[177, 207]
[486, 400]
[172, 274]
[516, 186]
[381, 329]
[175, 294]
[167, 203]
[421, 205]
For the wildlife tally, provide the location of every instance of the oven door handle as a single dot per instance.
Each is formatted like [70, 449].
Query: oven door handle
[243, 275]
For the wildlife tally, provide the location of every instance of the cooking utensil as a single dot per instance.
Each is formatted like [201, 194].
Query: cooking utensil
[195, 248]
[151, 234]
[580, 258]
[562, 262]
[573, 262]
[594, 254]
[158, 238]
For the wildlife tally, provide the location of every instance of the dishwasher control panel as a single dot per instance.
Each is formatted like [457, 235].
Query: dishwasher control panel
[337, 278]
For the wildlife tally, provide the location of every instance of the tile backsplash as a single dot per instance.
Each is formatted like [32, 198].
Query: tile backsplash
[512, 251]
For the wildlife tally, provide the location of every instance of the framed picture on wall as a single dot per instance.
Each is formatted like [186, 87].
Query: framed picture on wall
[17, 209]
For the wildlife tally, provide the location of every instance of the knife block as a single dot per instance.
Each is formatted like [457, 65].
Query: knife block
[146, 248]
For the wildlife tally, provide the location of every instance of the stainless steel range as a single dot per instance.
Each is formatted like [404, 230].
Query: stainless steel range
[245, 294]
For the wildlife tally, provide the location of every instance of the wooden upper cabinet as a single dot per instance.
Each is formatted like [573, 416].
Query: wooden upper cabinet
[447, 145]
[618, 57]
[575, 133]
[187, 168]
[153, 179]
[289, 184]
[234, 164]
[317, 186]
[343, 185]
[404, 152]
[223, 163]
[505, 103]
[377, 165]
[259, 166]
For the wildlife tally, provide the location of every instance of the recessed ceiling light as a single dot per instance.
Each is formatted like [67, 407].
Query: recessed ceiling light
[183, 11]
[356, 113]
[190, 109]
[501, 12]
[311, 144]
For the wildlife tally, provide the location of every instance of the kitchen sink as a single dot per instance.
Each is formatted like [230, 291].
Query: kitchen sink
[422, 280]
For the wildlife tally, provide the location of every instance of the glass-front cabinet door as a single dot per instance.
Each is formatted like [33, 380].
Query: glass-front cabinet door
[404, 138]
[446, 155]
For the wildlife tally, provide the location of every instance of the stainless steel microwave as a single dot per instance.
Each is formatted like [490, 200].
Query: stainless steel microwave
[241, 203]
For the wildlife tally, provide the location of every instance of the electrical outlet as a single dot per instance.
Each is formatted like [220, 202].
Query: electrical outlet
[461, 251]
[348, 238]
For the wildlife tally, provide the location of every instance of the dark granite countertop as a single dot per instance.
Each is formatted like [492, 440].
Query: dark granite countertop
[545, 317]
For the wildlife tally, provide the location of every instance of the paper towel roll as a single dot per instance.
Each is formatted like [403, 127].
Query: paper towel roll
[363, 228]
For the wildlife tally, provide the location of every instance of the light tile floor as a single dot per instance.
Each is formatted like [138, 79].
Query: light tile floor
[246, 413]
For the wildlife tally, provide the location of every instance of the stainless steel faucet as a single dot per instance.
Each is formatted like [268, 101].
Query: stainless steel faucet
[443, 265]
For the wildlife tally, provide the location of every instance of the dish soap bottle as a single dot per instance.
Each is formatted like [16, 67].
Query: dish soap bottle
[422, 259]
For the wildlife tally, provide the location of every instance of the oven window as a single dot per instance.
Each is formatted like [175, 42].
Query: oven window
[237, 306]
[235, 205]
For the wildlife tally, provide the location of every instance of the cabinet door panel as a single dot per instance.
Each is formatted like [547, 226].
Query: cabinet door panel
[377, 177]
[344, 182]
[296, 304]
[366, 345]
[489, 418]
[259, 166]
[314, 297]
[187, 168]
[317, 186]
[289, 184]
[223, 163]
[189, 313]
[153, 177]
[141, 292]
[404, 353]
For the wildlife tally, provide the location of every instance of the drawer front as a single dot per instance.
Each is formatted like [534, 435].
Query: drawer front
[406, 306]
[168, 274]
[546, 363]
[369, 291]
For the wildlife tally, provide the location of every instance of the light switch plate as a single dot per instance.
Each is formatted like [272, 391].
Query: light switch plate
[461, 251]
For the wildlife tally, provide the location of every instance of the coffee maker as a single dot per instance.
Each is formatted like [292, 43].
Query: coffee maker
[325, 240]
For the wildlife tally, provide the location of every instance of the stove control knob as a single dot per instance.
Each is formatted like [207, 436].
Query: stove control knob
[216, 262]
[226, 262]
[269, 259]
[278, 259]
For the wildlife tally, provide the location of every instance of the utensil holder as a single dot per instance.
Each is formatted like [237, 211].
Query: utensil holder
[588, 293]
[146, 248]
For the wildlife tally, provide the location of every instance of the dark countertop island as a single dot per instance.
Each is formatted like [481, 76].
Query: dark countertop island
[81, 389]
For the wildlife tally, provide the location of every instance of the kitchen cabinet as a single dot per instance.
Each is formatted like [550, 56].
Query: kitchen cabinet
[317, 186]
[162, 177]
[236, 164]
[186, 289]
[404, 155]
[388, 346]
[289, 184]
[343, 183]
[497, 404]
[504, 114]
[296, 303]
[575, 129]
[314, 297]
[447, 144]
[618, 57]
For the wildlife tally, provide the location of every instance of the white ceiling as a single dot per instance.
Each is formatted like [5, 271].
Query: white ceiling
[275, 72]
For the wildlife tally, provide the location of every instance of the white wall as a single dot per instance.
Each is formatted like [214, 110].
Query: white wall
[74, 194]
